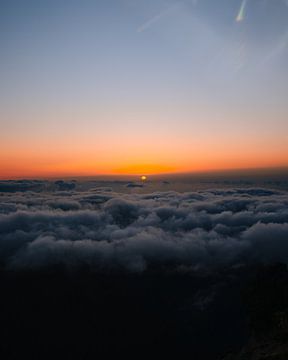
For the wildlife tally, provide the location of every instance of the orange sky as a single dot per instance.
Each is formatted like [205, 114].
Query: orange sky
[60, 145]
[114, 88]
[52, 158]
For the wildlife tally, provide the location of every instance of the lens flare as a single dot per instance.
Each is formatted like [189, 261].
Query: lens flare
[241, 14]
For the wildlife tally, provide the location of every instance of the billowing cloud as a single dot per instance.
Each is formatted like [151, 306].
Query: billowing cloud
[21, 185]
[102, 229]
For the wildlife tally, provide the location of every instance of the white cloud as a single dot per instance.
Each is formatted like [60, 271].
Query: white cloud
[107, 230]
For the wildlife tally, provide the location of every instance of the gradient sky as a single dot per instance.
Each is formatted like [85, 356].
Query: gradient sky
[142, 86]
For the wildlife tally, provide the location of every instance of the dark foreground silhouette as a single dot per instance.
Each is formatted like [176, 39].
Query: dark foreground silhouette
[85, 315]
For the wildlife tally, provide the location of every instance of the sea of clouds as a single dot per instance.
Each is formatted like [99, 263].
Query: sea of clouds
[104, 230]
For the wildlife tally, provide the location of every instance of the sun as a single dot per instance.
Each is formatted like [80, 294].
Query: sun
[143, 178]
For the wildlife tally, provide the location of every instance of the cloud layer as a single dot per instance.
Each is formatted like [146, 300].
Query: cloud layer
[105, 230]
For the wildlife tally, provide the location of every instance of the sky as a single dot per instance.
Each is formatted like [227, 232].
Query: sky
[142, 86]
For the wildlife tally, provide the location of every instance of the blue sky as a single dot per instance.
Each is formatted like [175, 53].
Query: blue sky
[180, 67]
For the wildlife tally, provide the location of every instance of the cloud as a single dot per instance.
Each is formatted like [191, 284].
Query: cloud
[107, 230]
[134, 185]
[62, 185]
[21, 185]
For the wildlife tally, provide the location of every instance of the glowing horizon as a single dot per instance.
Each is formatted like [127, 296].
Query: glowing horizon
[126, 156]
[133, 170]
[142, 87]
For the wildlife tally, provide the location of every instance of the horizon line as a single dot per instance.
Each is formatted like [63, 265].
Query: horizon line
[121, 175]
